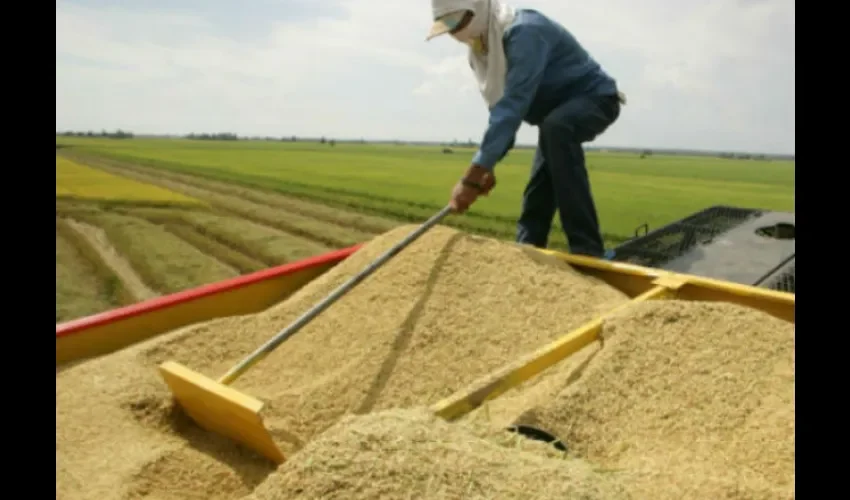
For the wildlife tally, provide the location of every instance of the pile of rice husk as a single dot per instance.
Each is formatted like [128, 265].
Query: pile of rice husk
[411, 454]
[444, 312]
[694, 400]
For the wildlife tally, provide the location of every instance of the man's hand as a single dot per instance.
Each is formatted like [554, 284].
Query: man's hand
[477, 181]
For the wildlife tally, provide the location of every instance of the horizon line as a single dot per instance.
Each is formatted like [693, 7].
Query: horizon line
[454, 143]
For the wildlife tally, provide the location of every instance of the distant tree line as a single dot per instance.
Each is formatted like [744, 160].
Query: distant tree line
[228, 136]
[742, 156]
[222, 136]
[447, 147]
[459, 144]
[118, 134]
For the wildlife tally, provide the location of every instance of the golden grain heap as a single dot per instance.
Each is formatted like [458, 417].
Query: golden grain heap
[411, 454]
[694, 400]
[678, 400]
[445, 312]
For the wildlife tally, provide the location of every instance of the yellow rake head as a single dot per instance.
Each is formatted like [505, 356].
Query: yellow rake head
[221, 409]
[218, 408]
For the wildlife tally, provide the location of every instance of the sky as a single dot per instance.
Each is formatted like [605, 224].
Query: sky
[708, 75]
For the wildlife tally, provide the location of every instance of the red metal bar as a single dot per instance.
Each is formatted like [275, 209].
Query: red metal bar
[80, 324]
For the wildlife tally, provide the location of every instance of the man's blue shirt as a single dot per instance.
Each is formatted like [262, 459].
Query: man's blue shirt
[546, 66]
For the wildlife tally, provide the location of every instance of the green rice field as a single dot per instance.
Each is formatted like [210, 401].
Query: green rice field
[265, 203]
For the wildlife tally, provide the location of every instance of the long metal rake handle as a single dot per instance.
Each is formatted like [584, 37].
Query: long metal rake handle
[308, 316]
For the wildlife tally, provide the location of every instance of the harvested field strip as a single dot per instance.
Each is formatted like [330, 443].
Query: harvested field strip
[398, 209]
[220, 252]
[269, 244]
[317, 192]
[410, 335]
[163, 261]
[81, 182]
[257, 241]
[236, 254]
[330, 234]
[235, 259]
[99, 242]
[346, 218]
[68, 208]
[83, 287]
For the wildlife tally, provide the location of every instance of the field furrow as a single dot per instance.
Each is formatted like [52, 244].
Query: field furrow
[340, 200]
[81, 289]
[331, 234]
[256, 240]
[211, 246]
[164, 262]
[233, 252]
[270, 244]
[345, 218]
[99, 241]
[320, 233]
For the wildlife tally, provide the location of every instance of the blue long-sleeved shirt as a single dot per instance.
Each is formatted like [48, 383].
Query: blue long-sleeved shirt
[546, 65]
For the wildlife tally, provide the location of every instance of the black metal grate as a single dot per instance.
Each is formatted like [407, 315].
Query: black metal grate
[658, 247]
[782, 281]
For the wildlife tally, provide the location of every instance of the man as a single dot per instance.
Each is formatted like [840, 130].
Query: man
[530, 68]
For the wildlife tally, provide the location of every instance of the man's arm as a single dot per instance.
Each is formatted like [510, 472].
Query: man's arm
[526, 52]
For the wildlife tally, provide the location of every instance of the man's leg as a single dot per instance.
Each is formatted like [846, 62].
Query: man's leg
[538, 205]
[562, 133]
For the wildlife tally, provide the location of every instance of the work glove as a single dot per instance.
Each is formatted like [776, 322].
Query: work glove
[477, 181]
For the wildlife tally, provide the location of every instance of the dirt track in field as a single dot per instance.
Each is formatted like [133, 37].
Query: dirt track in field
[98, 239]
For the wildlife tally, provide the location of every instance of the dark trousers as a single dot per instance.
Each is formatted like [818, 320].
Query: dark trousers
[559, 176]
